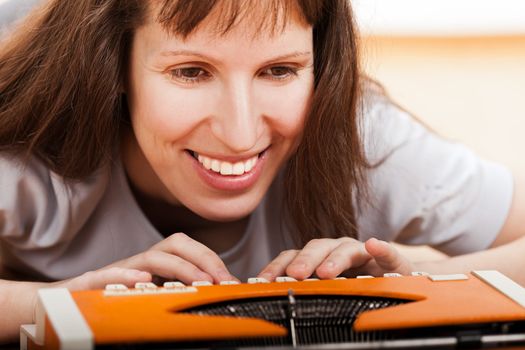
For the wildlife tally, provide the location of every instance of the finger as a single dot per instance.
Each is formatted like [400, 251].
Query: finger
[347, 255]
[100, 278]
[278, 265]
[170, 266]
[370, 268]
[309, 258]
[385, 255]
[197, 254]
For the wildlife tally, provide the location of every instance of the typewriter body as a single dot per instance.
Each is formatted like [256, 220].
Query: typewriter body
[481, 309]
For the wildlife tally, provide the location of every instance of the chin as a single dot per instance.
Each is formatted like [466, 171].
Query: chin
[225, 212]
[225, 216]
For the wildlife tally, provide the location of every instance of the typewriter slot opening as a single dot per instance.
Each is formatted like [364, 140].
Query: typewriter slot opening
[318, 319]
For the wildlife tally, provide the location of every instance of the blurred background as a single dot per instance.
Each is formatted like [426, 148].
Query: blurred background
[459, 65]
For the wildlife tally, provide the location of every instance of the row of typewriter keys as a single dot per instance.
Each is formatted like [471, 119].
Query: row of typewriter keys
[179, 287]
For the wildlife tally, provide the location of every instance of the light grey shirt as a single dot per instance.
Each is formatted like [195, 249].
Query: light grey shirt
[424, 190]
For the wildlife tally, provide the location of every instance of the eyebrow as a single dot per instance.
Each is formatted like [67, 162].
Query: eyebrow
[294, 54]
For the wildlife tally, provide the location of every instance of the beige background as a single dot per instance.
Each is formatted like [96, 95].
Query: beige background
[470, 89]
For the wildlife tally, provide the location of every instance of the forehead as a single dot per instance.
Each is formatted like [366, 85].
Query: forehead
[182, 18]
[235, 48]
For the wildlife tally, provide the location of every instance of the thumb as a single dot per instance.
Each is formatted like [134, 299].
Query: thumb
[100, 278]
[386, 256]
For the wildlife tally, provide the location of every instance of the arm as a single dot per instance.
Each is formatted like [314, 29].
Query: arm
[376, 257]
[17, 300]
[177, 257]
[507, 252]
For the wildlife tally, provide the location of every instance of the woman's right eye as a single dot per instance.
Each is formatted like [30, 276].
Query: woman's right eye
[190, 75]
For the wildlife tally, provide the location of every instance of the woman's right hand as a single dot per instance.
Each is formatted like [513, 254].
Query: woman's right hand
[179, 257]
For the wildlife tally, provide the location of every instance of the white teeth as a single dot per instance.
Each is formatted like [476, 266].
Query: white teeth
[238, 168]
[216, 166]
[207, 163]
[249, 165]
[227, 168]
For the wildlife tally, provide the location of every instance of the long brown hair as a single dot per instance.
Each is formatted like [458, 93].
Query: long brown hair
[62, 76]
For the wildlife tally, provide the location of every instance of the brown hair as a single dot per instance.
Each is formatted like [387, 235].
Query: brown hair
[61, 77]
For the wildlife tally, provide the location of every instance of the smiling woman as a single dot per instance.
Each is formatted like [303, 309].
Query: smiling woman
[238, 100]
[215, 140]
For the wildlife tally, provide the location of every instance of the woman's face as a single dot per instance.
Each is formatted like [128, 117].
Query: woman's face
[216, 116]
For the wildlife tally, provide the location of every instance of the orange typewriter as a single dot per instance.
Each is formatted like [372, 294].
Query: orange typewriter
[481, 309]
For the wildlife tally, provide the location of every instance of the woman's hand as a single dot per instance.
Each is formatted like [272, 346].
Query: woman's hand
[329, 258]
[179, 257]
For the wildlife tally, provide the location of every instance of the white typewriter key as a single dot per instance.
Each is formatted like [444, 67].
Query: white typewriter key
[254, 280]
[174, 284]
[228, 283]
[116, 287]
[177, 290]
[340, 278]
[311, 279]
[452, 277]
[201, 283]
[365, 276]
[285, 279]
[392, 274]
[145, 285]
[419, 273]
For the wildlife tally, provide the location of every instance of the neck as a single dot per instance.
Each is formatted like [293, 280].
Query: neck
[169, 218]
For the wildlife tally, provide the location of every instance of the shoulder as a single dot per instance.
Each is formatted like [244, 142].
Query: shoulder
[19, 176]
[385, 126]
[36, 200]
[426, 189]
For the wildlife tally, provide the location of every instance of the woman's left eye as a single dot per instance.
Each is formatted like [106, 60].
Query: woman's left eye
[280, 72]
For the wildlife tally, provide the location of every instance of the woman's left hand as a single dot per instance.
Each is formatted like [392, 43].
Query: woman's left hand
[329, 258]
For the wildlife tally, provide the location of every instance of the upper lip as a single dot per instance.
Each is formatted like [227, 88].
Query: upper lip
[230, 159]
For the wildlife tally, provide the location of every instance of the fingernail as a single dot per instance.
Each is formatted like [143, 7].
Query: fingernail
[137, 274]
[224, 275]
[298, 266]
[201, 276]
[329, 264]
[267, 276]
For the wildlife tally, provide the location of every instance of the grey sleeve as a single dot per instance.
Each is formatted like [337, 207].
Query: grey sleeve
[38, 209]
[29, 204]
[425, 189]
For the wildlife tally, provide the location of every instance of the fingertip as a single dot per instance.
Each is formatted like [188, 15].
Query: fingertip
[267, 276]
[326, 272]
[222, 275]
[298, 271]
[139, 276]
[376, 247]
[203, 276]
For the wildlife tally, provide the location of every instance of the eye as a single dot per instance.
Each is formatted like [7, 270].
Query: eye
[279, 72]
[189, 74]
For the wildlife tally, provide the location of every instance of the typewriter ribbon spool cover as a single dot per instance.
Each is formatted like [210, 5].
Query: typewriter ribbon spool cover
[374, 312]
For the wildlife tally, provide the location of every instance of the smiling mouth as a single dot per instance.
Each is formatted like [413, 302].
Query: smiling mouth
[227, 168]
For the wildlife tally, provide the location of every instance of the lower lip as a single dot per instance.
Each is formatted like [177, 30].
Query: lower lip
[230, 182]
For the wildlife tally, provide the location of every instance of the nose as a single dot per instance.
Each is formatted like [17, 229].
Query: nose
[236, 123]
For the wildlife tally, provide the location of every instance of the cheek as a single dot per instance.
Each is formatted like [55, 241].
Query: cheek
[286, 107]
[165, 112]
